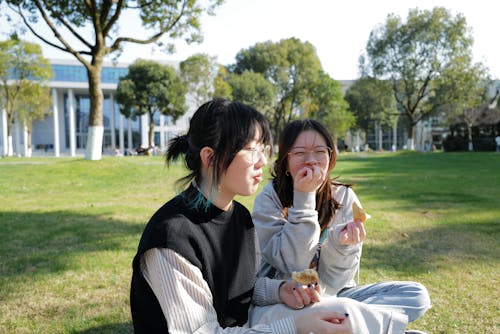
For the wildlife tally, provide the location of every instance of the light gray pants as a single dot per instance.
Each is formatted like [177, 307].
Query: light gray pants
[381, 308]
[409, 298]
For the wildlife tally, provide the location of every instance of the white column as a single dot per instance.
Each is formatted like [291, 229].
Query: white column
[129, 134]
[55, 115]
[162, 131]
[72, 132]
[144, 130]
[26, 146]
[121, 134]
[17, 137]
[112, 120]
[4, 133]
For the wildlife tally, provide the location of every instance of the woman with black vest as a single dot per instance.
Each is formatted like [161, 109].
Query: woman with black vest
[195, 268]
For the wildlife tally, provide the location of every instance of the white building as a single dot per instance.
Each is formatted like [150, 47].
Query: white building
[64, 131]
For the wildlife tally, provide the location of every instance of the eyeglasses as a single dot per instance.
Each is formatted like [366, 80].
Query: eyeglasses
[319, 153]
[257, 153]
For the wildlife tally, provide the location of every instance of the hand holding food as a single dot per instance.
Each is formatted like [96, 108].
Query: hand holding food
[306, 276]
[359, 213]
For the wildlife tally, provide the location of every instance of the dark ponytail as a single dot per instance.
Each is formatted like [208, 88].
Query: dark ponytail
[176, 146]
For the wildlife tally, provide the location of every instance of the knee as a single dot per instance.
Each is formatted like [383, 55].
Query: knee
[422, 301]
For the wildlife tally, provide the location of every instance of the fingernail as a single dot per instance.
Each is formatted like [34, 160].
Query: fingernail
[346, 314]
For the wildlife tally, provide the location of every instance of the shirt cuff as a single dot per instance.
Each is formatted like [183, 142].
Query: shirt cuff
[303, 200]
[266, 291]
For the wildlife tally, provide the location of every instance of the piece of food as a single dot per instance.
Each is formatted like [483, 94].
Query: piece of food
[359, 213]
[306, 276]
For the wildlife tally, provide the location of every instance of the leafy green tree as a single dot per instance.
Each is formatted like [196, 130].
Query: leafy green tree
[198, 73]
[24, 75]
[73, 18]
[253, 89]
[330, 107]
[151, 87]
[292, 67]
[222, 88]
[413, 54]
[372, 102]
[34, 104]
[462, 95]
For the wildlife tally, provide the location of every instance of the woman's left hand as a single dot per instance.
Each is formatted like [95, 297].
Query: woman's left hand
[353, 233]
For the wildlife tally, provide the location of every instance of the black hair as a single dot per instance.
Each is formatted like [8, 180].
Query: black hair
[223, 125]
[326, 205]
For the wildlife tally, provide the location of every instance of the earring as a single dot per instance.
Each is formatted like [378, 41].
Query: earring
[287, 173]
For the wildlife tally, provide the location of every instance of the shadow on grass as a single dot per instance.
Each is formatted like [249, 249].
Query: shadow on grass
[426, 250]
[45, 243]
[121, 328]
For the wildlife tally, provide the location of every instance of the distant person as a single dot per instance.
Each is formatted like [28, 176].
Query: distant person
[497, 140]
[195, 267]
[304, 219]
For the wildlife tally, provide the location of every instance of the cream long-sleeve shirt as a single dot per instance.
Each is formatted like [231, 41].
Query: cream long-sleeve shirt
[186, 299]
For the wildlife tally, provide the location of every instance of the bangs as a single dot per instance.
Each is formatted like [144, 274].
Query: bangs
[238, 127]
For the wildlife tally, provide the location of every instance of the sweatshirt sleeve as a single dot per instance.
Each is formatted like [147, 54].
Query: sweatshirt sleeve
[339, 263]
[288, 244]
[186, 300]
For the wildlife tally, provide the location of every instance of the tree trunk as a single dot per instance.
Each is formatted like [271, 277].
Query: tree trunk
[27, 141]
[151, 129]
[411, 139]
[95, 129]
[395, 136]
[469, 136]
[10, 123]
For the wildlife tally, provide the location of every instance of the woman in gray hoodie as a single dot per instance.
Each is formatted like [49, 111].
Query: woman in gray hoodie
[304, 219]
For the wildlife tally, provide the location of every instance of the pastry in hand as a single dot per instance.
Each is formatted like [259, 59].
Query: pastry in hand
[306, 276]
[359, 213]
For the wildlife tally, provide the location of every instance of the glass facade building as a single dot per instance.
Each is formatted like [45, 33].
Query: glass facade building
[65, 129]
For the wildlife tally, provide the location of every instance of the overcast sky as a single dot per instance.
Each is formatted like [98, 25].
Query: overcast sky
[338, 29]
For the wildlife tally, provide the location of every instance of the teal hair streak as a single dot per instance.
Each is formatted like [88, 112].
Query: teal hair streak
[199, 200]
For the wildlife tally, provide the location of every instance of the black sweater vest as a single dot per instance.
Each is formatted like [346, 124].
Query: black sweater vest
[220, 243]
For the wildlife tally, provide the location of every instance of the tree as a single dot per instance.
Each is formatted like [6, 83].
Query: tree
[151, 87]
[72, 19]
[291, 66]
[222, 88]
[462, 94]
[23, 72]
[34, 104]
[414, 54]
[253, 89]
[198, 73]
[372, 102]
[330, 108]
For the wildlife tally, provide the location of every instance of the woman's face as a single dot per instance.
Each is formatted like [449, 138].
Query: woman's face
[244, 174]
[309, 150]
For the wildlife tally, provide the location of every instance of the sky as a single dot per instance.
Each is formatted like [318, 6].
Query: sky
[339, 30]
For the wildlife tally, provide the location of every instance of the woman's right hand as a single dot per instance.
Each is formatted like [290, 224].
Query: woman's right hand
[308, 179]
[323, 322]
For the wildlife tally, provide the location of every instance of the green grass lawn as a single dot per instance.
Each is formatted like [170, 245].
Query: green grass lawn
[69, 229]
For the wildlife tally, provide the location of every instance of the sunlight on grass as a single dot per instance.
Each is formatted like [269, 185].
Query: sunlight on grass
[70, 228]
